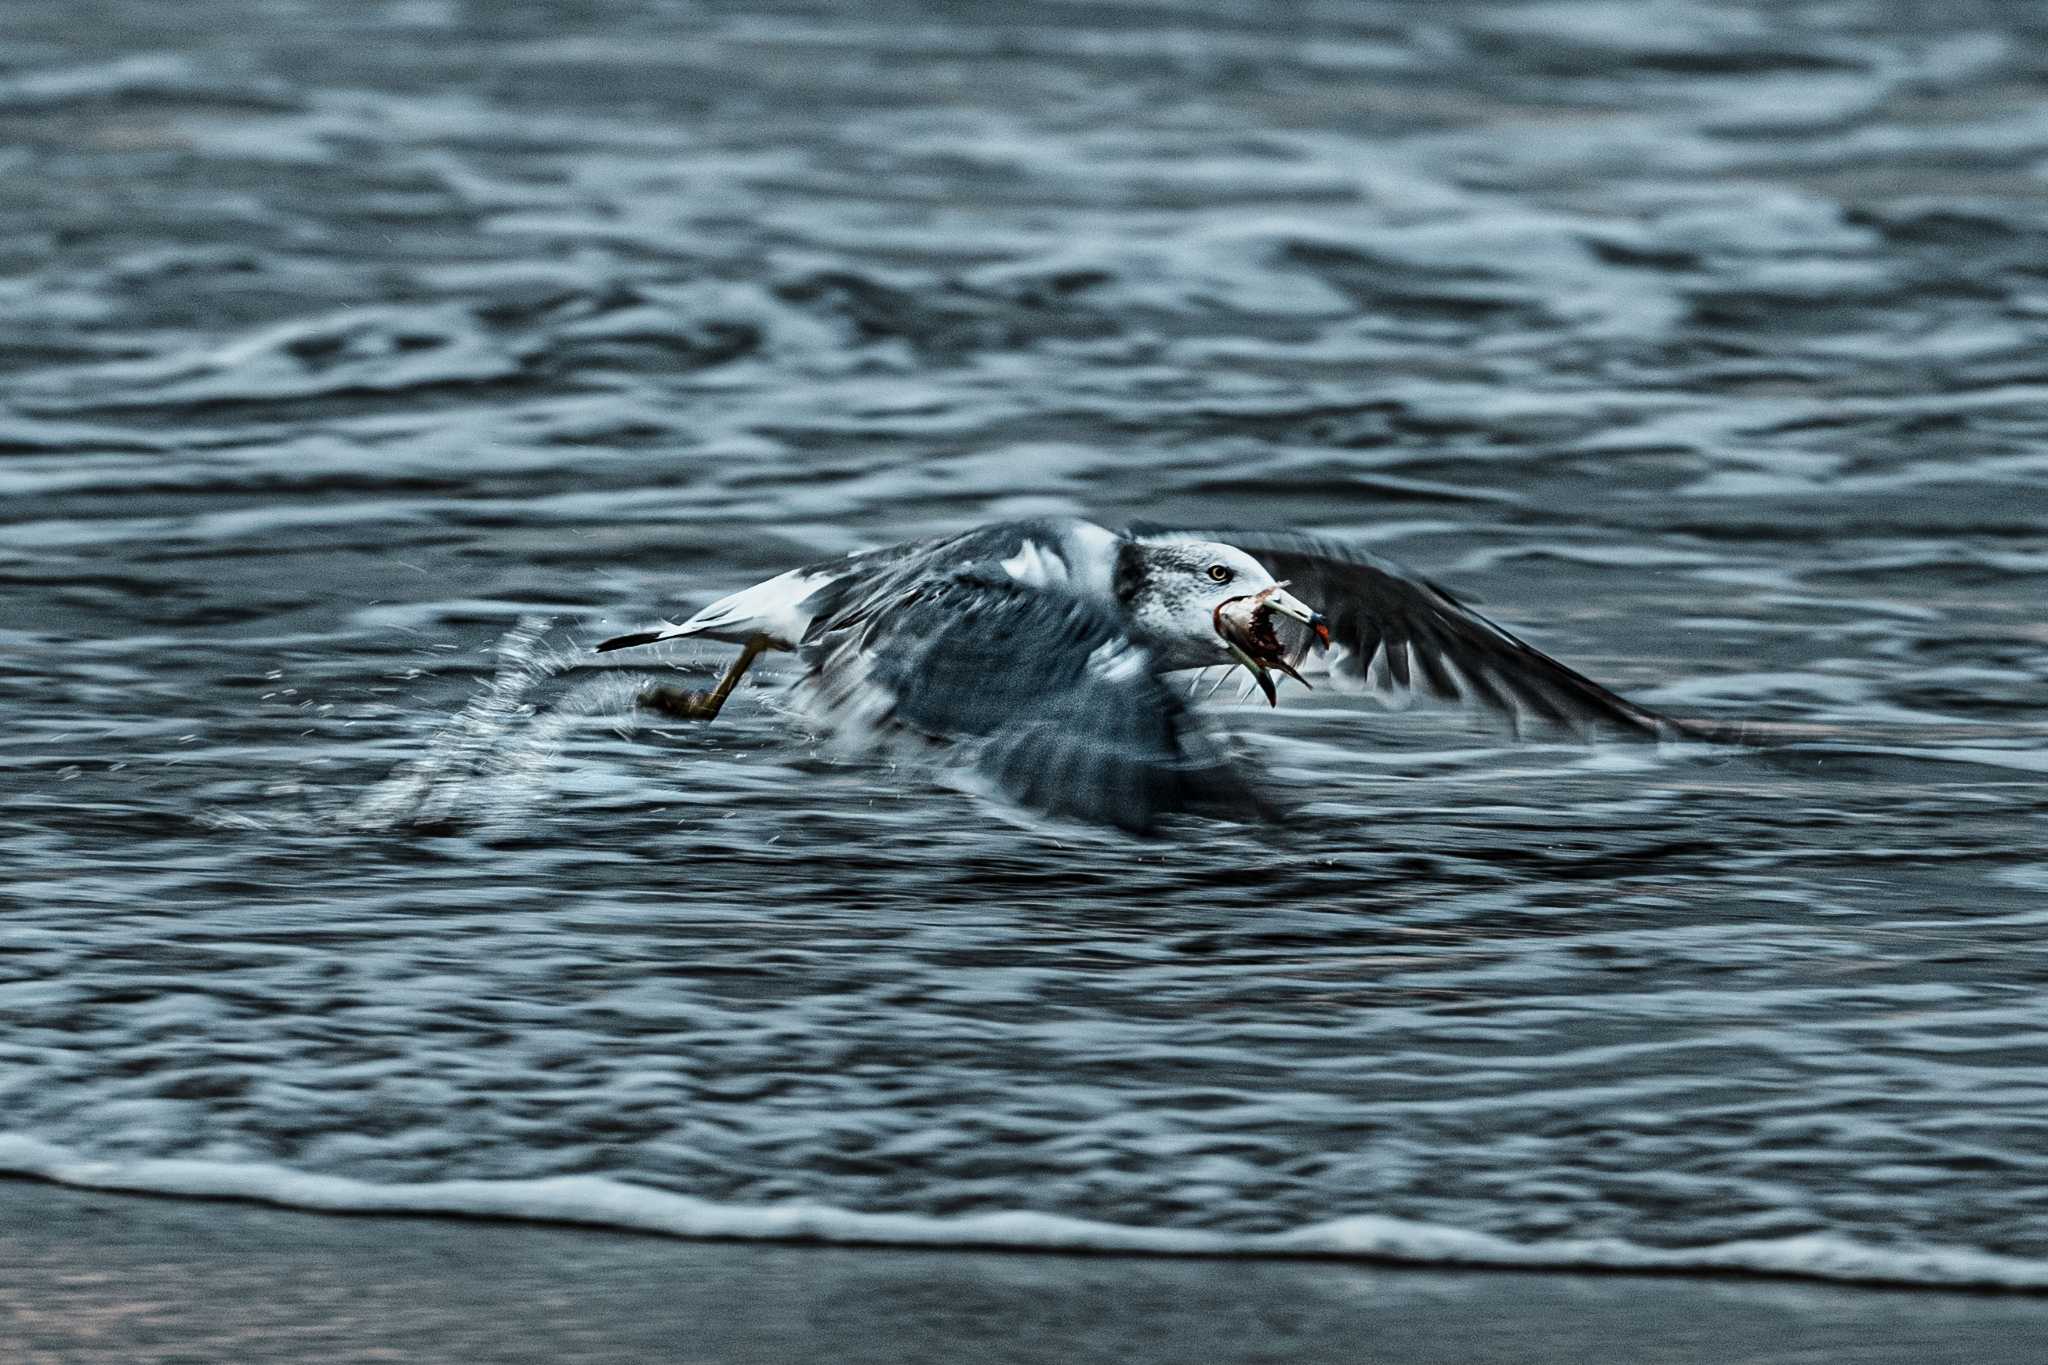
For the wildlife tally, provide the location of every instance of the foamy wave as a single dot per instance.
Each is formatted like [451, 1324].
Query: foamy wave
[600, 1202]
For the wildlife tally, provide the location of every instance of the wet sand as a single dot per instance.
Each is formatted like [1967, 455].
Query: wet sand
[89, 1276]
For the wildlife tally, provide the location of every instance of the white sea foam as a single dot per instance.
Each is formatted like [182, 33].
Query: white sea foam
[600, 1202]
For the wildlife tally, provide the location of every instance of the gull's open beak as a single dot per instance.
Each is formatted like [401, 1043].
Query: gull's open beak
[1245, 625]
[1287, 604]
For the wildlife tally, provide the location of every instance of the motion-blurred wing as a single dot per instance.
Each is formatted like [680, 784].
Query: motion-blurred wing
[1041, 692]
[1389, 625]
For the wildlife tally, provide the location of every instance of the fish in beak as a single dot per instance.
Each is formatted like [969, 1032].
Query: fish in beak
[1245, 625]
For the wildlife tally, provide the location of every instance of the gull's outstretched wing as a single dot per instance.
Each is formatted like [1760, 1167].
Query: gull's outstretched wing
[1043, 693]
[1392, 626]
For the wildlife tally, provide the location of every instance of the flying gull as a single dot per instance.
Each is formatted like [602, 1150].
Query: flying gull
[1032, 652]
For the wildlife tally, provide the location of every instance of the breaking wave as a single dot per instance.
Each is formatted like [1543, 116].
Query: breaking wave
[597, 1201]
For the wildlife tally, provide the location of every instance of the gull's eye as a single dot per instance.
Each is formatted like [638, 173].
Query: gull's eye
[1219, 573]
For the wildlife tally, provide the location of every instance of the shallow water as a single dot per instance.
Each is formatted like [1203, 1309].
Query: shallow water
[359, 368]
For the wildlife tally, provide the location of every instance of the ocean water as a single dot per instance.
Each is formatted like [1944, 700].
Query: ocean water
[361, 365]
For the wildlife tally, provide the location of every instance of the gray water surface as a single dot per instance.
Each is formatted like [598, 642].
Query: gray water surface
[361, 365]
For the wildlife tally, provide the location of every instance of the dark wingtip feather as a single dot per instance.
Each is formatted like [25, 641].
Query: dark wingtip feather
[644, 637]
[1413, 629]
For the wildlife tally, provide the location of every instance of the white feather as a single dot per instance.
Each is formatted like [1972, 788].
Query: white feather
[773, 609]
[1035, 566]
[1117, 661]
[1090, 552]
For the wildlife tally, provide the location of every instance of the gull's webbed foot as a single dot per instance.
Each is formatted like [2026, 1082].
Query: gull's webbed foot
[674, 701]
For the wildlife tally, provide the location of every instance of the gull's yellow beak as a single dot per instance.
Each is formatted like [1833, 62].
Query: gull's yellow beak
[1287, 604]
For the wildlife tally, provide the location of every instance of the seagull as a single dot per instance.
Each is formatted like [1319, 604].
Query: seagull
[1032, 653]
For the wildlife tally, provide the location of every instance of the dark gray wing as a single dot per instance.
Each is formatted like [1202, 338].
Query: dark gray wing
[1391, 624]
[1045, 694]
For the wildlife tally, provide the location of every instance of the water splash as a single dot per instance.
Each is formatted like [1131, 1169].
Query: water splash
[488, 765]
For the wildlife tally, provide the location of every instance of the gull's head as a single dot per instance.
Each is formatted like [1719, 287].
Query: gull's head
[1199, 602]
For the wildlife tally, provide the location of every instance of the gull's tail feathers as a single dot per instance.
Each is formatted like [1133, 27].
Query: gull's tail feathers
[778, 611]
[714, 621]
[641, 637]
